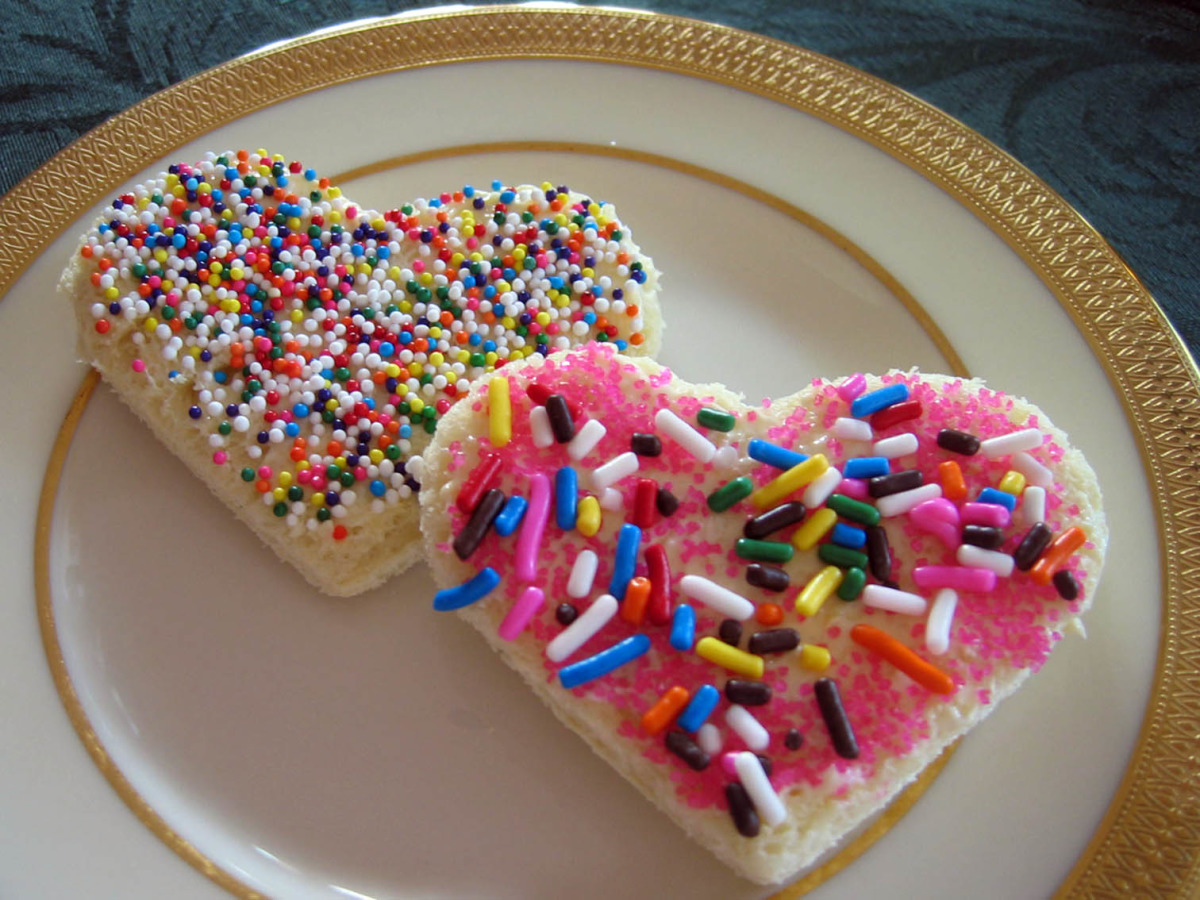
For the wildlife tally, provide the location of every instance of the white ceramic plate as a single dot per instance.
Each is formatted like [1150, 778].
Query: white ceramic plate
[299, 746]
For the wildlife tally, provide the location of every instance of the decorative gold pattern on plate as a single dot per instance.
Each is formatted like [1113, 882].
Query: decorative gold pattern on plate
[1149, 842]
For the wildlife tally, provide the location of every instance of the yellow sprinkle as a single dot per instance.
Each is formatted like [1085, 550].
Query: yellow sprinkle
[490, 357]
[215, 266]
[547, 186]
[161, 254]
[340, 461]
[731, 658]
[790, 481]
[405, 306]
[143, 202]
[814, 658]
[435, 332]
[402, 390]
[303, 465]
[560, 219]
[285, 479]
[331, 403]
[111, 293]
[588, 272]
[179, 190]
[364, 268]
[818, 590]
[150, 324]
[279, 494]
[1013, 483]
[376, 456]
[588, 516]
[476, 256]
[508, 322]
[543, 318]
[426, 278]
[335, 216]
[318, 499]
[378, 223]
[451, 377]
[806, 536]
[499, 412]
[502, 286]
[415, 369]
[416, 404]
[297, 315]
[172, 180]
[334, 192]
[294, 223]
[235, 273]
[456, 260]
[394, 273]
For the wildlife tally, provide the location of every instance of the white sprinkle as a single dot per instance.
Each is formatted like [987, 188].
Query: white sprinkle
[717, 598]
[709, 738]
[583, 573]
[1007, 444]
[614, 470]
[748, 728]
[897, 504]
[582, 629]
[753, 777]
[612, 500]
[979, 558]
[586, 439]
[726, 457]
[821, 488]
[847, 429]
[539, 426]
[1035, 473]
[941, 616]
[893, 600]
[895, 447]
[687, 437]
[1033, 505]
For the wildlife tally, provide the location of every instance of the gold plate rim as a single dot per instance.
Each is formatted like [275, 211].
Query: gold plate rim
[1149, 839]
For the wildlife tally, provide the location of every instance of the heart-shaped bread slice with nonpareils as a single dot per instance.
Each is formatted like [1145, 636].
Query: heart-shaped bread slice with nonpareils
[768, 619]
[295, 349]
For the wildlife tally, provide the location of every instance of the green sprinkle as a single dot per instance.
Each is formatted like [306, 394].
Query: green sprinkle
[247, 474]
[280, 509]
[764, 551]
[730, 493]
[716, 419]
[853, 581]
[854, 510]
[843, 557]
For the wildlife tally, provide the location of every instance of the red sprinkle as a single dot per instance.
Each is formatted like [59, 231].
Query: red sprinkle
[658, 611]
[478, 482]
[645, 502]
[895, 414]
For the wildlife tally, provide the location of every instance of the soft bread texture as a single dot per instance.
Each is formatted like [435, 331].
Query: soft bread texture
[836, 797]
[401, 286]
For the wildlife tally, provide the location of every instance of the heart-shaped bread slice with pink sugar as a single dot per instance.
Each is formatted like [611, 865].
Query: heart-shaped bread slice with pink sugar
[770, 619]
[294, 348]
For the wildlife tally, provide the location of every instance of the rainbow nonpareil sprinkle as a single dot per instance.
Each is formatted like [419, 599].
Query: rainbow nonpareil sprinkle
[317, 344]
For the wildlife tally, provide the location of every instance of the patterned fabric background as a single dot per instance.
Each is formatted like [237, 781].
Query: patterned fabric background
[1100, 98]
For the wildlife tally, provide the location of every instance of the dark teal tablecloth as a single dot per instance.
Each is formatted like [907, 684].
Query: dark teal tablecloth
[1101, 99]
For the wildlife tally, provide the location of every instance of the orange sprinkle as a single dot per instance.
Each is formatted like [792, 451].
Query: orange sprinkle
[663, 712]
[334, 448]
[953, 485]
[339, 532]
[96, 279]
[262, 485]
[884, 645]
[86, 251]
[636, 338]
[1057, 553]
[637, 595]
[632, 310]
[769, 614]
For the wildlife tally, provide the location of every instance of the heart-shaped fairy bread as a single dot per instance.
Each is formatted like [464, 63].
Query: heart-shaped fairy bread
[295, 349]
[768, 619]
